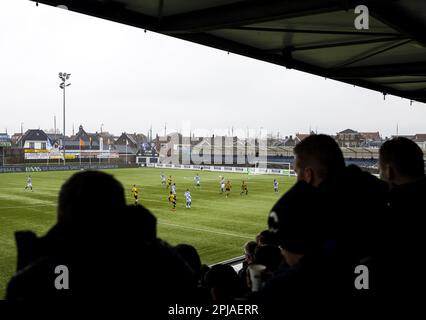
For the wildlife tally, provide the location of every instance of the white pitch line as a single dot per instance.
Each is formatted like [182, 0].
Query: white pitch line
[205, 230]
[33, 206]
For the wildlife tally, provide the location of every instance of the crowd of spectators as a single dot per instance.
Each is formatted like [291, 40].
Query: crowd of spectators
[335, 218]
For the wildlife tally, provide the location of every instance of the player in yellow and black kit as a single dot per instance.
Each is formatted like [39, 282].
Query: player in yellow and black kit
[172, 200]
[244, 188]
[169, 181]
[135, 194]
[228, 188]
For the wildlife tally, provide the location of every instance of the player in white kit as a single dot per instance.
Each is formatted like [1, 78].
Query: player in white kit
[197, 181]
[276, 185]
[29, 184]
[222, 185]
[188, 199]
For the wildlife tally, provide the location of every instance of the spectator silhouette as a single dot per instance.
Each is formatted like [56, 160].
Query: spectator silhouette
[318, 158]
[310, 272]
[355, 201]
[249, 249]
[402, 166]
[110, 250]
[190, 255]
[223, 283]
[266, 237]
[269, 256]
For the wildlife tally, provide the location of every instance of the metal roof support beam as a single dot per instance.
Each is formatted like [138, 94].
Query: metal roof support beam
[396, 18]
[403, 82]
[245, 13]
[377, 71]
[311, 31]
[339, 44]
[374, 52]
[251, 52]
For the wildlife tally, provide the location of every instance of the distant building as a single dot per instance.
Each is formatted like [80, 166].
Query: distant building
[36, 139]
[107, 138]
[287, 142]
[5, 140]
[370, 136]
[420, 139]
[371, 140]
[16, 139]
[82, 140]
[163, 144]
[55, 139]
[127, 146]
[349, 138]
[301, 136]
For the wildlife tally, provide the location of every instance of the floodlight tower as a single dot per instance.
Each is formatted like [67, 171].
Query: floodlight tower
[64, 77]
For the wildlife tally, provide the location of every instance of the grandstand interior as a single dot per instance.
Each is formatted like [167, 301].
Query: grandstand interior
[313, 36]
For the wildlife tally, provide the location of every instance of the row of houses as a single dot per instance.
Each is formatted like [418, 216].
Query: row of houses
[37, 144]
[350, 139]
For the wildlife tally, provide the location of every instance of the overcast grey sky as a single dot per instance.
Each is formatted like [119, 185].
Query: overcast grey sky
[128, 80]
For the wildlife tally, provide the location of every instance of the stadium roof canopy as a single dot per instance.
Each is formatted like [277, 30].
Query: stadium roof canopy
[314, 36]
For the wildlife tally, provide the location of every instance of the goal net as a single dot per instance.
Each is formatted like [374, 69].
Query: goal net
[282, 168]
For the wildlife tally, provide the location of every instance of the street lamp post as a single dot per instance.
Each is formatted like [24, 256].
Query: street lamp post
[22, 133]
[101, 146]
[64, 77]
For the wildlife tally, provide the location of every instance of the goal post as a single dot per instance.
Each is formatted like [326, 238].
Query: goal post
[280, 168]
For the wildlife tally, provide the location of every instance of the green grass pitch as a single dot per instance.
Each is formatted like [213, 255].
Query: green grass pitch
[217, 226]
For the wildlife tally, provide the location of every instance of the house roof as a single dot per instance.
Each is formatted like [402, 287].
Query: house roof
[85, 136]
[408, 136]
[347, 131]
[420, 137]
[314, 36]
[374, 136]
[54, 136]
[287, 141]
[302, 136]
[106, 135]
[125, 136]
[140, 138]
[35, 135]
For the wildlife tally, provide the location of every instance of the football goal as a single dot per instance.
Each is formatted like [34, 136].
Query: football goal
[283, 168]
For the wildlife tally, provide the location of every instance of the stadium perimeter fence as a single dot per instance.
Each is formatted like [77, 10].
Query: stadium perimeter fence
[40, 168]
[248, 170]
